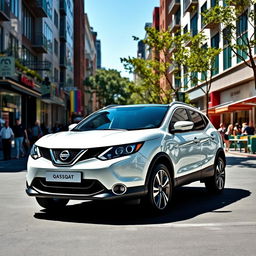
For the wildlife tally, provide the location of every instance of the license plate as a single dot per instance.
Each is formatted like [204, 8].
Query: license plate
[63, 177]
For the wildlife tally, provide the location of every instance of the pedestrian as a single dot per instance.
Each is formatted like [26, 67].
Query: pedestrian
[20, 133]
[36, 132]
[7, 135]
[222, 131]
[226, 136]
[249, 130]
[237, 129]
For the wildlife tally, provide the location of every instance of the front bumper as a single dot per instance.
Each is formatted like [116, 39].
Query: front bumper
[134, 192]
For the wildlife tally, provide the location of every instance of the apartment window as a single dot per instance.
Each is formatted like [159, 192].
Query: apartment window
[27, 56]
[177, 79]
[227, 53]
[177, 17]
[1, 39]
[193, 24]
[56, 19]
[194, 78]
[215, 40]
[27, 23]
[13, 47]
[56, 47]
[203, 10]
[242, 35]
[49, 36]
[185, 77]
[214, 3]
[49, 8]
[185, 30]
[14, 5]
[204, 73]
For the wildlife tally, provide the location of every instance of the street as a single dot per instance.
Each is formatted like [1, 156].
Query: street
[197, 224]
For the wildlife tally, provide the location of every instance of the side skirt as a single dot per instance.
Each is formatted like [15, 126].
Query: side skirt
[196, 176]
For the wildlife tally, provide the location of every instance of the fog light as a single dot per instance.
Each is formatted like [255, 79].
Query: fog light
[119, 189]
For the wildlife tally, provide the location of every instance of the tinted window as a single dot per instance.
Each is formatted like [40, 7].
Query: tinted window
[179, 115]
[197, 120]
[128, 118]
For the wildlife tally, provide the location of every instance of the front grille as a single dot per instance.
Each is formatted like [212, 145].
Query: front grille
[73, 154]
[86, 187]
[90, 153]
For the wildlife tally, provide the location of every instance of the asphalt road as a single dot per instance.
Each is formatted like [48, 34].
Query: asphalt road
[198, 223]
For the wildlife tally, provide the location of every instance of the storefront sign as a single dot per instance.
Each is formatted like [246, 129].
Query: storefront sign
[235, 93]
[7, 66]
[28, 82]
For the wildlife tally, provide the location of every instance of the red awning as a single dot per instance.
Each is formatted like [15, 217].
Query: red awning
[245, 104]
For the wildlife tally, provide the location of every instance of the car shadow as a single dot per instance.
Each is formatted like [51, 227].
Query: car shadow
[241, 162]
[188, 202]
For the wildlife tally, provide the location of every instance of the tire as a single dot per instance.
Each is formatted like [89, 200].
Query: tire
[159, 189]
[52, 203]
[216, 183]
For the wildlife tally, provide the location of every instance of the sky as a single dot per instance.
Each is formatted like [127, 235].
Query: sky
[116, 21]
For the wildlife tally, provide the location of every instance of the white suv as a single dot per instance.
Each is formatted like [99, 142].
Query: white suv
[122, 152]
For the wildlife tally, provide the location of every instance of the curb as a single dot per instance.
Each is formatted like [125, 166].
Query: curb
[240, 154]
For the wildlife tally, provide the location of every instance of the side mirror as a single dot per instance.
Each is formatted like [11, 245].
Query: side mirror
[183, 126]
[72, 126]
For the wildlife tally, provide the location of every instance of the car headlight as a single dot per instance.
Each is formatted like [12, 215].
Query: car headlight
[121, 150]
[35, 153]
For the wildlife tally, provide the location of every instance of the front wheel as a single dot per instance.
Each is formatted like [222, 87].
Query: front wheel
[52, 203]
[159, 188]
[216, 183]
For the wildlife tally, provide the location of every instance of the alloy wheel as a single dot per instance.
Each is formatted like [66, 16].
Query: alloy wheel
[161, 189]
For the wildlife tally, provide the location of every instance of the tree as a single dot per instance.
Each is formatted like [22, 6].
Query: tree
[235, 16]
[151, 71]
[109, 87]
[201, 59]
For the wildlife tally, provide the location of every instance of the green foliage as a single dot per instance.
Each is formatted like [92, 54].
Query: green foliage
[110, 87]
[229, 15]
[27, 71]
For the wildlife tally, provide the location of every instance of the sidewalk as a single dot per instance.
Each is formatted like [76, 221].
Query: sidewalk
[238, 153]
[13, 165]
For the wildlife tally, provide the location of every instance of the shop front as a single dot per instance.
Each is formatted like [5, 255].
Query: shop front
[18, 99]
[235, 105]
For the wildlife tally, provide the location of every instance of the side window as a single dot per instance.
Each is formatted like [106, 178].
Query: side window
[197, 119]
[179, 115]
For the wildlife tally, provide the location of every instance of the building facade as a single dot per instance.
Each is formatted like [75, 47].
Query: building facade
[39, 35]
[233, 95]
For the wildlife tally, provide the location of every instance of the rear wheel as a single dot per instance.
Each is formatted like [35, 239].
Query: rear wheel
[216, 183]
[159, 188]
[52, 203]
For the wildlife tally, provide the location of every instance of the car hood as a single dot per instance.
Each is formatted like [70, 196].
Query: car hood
[96, 138]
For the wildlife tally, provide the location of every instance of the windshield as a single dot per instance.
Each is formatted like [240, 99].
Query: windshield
[127, 118]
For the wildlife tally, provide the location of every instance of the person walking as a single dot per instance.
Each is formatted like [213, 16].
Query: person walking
[19, 134]
[7, 135]
[36, 132]
[222, 131]
[226, 136]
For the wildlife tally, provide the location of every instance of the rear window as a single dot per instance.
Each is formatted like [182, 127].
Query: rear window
[197, 119]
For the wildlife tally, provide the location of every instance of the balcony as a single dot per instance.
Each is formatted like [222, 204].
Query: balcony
[37, 65]
[39, 7]
[210, 25]
[175, 24]
[63, 7]
[190, 5]
[174, 6]
[39, 43]
[4, 10]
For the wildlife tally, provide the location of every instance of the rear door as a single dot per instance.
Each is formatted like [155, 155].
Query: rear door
[205, 138]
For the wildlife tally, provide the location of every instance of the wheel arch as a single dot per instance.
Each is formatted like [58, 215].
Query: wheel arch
[160, 158]
[220, 152]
